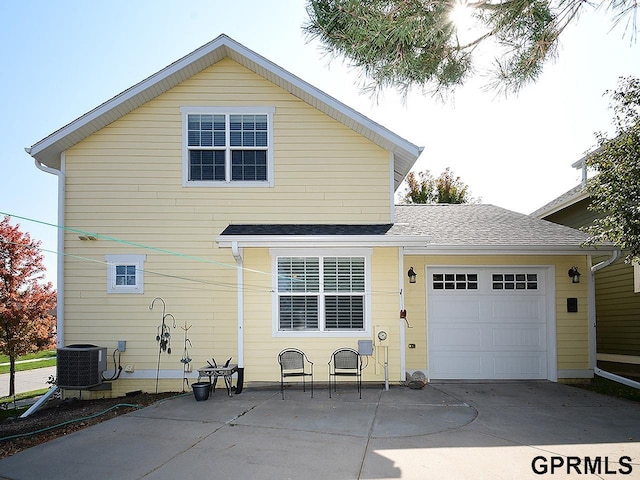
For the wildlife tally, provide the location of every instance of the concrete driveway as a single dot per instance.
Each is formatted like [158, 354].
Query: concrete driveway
[510, 430]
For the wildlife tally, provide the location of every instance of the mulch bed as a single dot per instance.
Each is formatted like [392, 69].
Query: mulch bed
[66, 416]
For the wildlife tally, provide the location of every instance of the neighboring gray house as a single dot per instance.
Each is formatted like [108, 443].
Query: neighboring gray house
[617, 287]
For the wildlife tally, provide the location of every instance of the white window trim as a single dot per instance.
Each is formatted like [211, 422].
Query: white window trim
[360, 252]
[636, 276]
[269, 111]
[116, 260]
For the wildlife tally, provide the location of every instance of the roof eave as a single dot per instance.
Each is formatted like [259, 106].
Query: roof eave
[47, 150]
[296, 241]
[545, 212]
[509, 250]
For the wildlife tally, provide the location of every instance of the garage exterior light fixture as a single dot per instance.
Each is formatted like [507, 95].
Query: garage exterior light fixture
[412, 275]
[574, 274]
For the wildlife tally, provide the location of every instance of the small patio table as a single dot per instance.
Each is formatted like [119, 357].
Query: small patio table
[215, 372]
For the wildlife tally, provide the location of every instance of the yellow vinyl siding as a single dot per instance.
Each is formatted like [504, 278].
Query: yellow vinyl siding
[261, 348]
[125, 182]
[318, 163]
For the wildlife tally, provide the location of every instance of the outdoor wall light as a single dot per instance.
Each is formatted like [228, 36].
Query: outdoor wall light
[412, 275]
[574, 274]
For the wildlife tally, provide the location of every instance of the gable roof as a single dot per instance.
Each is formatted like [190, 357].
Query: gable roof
[573, 196]
[441, 228]
[47, 151]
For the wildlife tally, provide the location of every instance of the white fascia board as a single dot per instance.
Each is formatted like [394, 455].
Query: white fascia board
[505, 250]
[580, 163]
[295, 241]
[116, 102]
[173, 74]
[330, 103]
[561, 206]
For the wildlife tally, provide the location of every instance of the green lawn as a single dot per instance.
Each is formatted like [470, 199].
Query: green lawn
[614, 389]
[46, 358]
[9, 410]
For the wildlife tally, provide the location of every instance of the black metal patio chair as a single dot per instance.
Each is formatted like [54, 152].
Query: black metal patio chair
[294, 363]
[345, 362]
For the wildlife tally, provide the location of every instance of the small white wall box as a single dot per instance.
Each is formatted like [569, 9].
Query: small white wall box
[381, 336]
[365, 347]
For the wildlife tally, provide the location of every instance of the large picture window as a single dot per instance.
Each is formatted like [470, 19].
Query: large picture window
[321, 294]
[228, 146]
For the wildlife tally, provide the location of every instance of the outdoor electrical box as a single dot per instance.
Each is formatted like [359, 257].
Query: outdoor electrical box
[381, 336]
[365, 347]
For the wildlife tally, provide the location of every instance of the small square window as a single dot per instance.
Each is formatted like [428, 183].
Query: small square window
[125, 273]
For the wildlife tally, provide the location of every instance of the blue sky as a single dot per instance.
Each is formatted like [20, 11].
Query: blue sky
[63, 58]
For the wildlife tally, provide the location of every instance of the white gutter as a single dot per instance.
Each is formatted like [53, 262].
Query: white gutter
[237, 254]
[592, 318]
[60, 261]
[433, 249]
[617, 378]
[605, 263]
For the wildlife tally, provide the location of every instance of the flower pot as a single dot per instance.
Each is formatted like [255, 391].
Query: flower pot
[201, 390]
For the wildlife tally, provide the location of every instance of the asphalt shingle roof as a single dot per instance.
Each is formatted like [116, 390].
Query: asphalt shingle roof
[567, 198]
[306, 229]
[466, 225]
[481, 225]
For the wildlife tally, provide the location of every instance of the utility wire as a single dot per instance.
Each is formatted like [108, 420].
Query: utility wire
[174, 253]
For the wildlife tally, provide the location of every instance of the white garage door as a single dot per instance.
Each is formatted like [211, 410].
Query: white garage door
[487, 323]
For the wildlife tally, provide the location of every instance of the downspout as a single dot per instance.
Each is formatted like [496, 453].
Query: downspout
[403, 355]
[237, 254]
[592, 303]
[60, 260]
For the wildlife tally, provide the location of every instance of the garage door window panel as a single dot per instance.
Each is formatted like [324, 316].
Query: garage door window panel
[514, 281]
[455, 281]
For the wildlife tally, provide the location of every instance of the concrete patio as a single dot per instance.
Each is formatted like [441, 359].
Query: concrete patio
[444, 431]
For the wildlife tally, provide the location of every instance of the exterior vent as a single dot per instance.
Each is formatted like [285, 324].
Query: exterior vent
[81, 366]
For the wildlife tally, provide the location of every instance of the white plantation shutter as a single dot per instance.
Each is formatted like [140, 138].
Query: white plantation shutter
[321, 293]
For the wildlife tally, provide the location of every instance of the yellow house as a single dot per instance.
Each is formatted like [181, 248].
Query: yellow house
[224, 208]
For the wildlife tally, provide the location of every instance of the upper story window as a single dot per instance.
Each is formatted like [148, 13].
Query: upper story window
[227, 146]
[125, 273]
